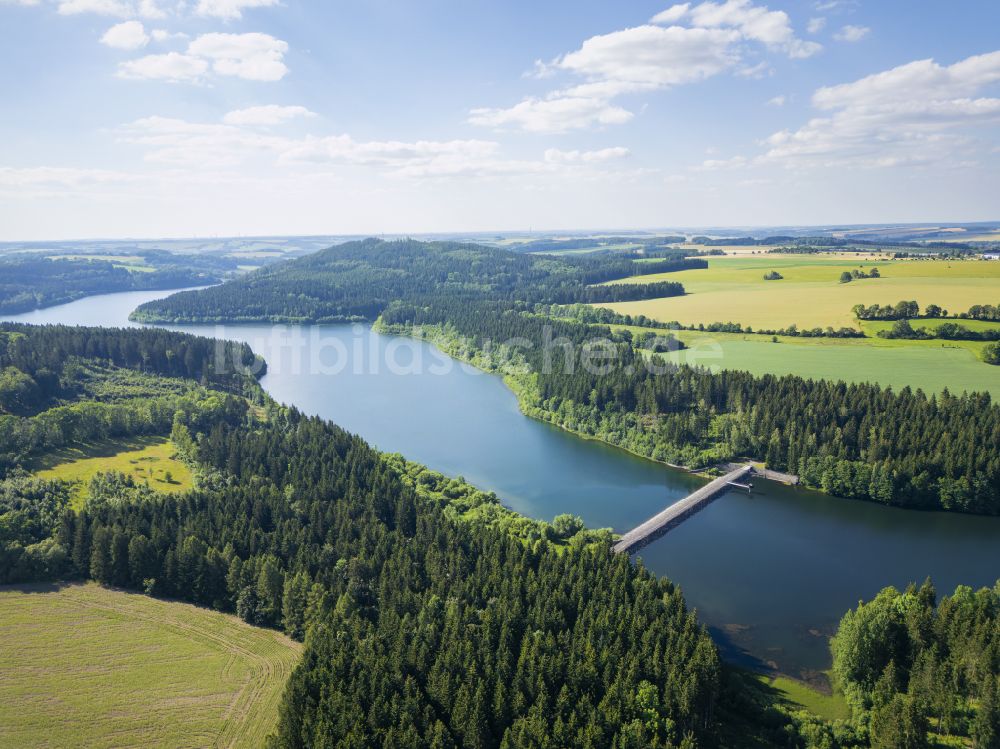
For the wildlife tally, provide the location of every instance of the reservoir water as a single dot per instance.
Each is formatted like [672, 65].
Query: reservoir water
[770, 573]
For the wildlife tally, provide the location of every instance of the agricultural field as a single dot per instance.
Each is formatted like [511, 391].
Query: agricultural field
[810, 295]
[114, 669]
[930, 365]
[145, 459]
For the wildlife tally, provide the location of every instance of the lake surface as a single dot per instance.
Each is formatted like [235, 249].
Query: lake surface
[770, 573]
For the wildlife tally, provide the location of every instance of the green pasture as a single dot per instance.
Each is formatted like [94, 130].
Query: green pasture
[116, 669]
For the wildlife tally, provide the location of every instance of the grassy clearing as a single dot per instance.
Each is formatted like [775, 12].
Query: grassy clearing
[732, 288]
[800, 695]
[113, 669]
[142, 458]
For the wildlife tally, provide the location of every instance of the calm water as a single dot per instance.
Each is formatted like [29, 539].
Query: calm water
[770, 573]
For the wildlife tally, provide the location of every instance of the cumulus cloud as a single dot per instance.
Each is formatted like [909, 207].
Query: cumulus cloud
[778, 101]
[254, 57]
[126, 35]
[816, 25]
[268, 114]
[673, 14]
[683, 44]
[230, 9]
[915, 113]
[757, 22]
[852, 33]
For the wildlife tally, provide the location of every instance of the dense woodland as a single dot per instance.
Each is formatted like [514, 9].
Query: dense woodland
[358, 280]
[27, 283]
[909, 663]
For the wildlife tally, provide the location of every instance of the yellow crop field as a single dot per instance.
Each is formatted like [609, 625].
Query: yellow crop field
[733, 289]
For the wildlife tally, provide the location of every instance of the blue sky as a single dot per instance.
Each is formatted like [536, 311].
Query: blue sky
[223, 117]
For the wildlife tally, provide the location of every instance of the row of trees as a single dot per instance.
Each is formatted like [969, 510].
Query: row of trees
[948, 331]
[909, 309]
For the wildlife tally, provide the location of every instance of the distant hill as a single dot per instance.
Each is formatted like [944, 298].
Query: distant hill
[357, 280]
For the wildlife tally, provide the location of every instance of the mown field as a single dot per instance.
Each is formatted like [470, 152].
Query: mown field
[145, 459]
[115, 669]
[929, 365]
[810, 295]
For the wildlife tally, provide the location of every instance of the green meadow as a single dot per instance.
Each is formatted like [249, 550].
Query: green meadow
[116, 669]
[929, 365]
[145, 459]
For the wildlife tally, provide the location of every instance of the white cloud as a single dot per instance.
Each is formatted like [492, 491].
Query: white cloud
[816, 25]
[172, 66]
[268, 114]
[230, 9]
[162, 35]
[126, 35]
[852, 33]
[646, 58]
[673, 14]
[914, 82]
[755, 22]
[911, 114]
[556, 114]
[255, 57]
[778, 101]
[650, 57]
[604, 154]
[151, 10]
